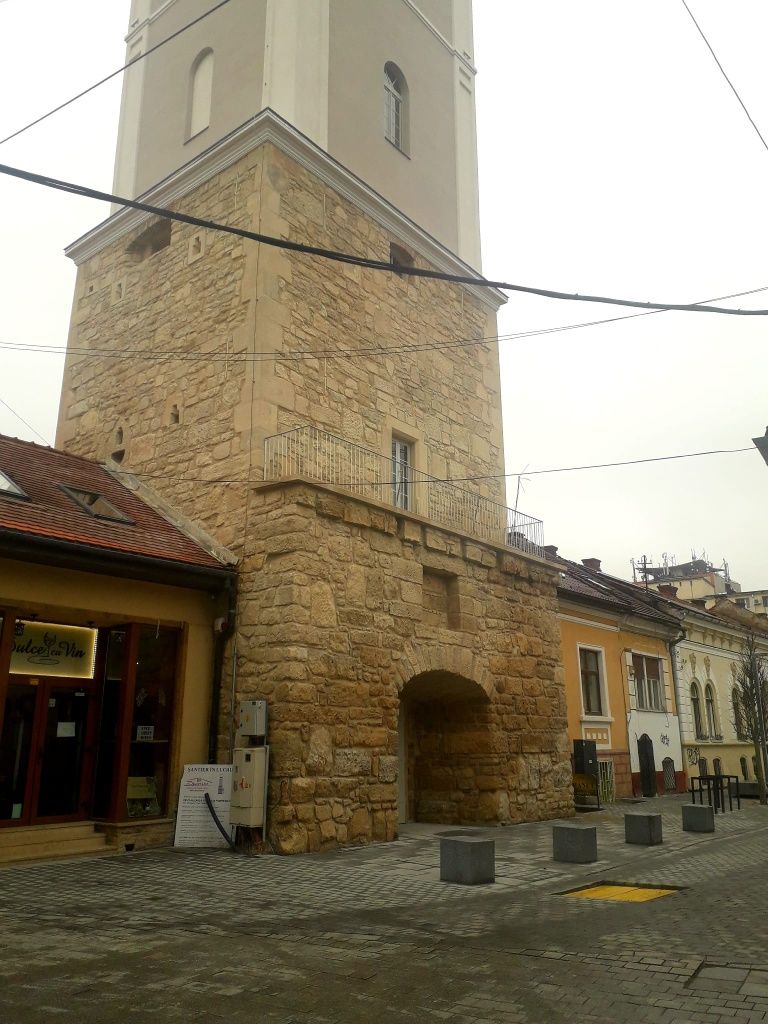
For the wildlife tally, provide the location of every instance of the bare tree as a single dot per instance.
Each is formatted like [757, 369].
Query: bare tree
[750, 705]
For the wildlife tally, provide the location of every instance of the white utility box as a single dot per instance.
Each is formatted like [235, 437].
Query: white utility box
[253, 718]
[249, 786]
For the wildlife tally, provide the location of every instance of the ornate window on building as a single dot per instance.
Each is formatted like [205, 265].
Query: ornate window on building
[395, 106]
[200, 93]
[649, 690]
[591, 689]
[712, 724]
[698, 724]
[738, 716]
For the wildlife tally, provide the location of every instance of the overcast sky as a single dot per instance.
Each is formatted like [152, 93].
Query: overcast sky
[613, 160]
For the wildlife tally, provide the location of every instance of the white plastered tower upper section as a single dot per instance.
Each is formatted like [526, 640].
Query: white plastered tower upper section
[319, 64]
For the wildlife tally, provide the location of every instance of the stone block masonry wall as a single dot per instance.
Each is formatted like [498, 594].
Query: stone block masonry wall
[169, 330]
[333, 631]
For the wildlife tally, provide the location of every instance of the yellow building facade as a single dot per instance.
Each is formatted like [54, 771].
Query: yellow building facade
[110, 622]
[619, 684]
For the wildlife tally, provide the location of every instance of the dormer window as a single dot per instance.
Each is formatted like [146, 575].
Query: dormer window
[9, 488]
[96, 505]
[395, 107]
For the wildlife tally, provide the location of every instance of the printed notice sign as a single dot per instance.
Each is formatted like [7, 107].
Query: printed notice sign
[194, 824]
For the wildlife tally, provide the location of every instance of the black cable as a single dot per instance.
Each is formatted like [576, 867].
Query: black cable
[219, 826]
[438, 480]
[112, 75]
[358, 261]
[724, 74]
[302, 354]
[21, 419]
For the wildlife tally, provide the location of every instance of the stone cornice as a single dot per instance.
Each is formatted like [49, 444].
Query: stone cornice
[269, 127]
[296, 482]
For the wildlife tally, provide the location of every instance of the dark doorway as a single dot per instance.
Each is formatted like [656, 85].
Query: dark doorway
[46, 751]
[647, 766]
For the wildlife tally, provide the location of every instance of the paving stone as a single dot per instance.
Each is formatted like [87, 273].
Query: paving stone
[182, 938]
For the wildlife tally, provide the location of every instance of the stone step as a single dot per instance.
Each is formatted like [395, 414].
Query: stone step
[31, 834]
[45, 842]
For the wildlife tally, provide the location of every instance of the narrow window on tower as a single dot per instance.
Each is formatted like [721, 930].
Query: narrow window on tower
[395, 107]
[402, 473]
[200, 94]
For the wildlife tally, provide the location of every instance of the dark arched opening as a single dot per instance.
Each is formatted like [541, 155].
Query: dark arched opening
[448, 769]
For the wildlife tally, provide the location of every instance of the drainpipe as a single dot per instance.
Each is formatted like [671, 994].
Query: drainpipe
[676, 686]
[218, 665]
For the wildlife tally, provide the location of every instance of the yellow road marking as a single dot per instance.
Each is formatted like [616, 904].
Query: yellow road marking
[621, 893]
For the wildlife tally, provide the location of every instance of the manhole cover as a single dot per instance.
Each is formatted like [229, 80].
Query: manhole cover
[620, 893]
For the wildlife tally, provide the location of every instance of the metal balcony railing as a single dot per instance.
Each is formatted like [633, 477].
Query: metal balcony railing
[318, 455]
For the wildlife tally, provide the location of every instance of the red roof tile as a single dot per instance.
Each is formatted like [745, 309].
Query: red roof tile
[49, 512]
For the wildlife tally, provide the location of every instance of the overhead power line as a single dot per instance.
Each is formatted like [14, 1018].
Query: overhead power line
[307, 354]
[113, 74]
[359, 261]
[734, 90]
[222, 356]
[21, 419]
[444, 480]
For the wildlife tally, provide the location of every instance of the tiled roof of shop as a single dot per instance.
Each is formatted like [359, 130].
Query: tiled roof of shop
[57, 491]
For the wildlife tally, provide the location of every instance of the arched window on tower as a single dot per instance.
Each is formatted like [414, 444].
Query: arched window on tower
[396, 107]
[200, 93]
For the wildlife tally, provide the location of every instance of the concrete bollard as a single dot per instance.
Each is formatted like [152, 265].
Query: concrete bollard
[574, 844]
[467, 860]
[642, 829]
[698, 818]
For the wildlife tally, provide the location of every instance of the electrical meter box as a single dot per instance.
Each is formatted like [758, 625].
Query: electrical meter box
[253, 718]
[250, 769]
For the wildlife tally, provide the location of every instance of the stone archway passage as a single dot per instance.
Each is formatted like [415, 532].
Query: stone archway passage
[452, 767]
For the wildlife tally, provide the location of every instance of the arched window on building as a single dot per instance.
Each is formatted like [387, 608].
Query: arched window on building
[396, 112]
[738, 716]
[698, 724]
[709, 698]
[718, 766]
[744, 768]
[200, 93]
[703, 766]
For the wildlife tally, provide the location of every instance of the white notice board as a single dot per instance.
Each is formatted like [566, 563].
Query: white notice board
[194, 824]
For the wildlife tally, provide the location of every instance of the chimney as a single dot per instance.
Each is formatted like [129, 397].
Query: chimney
[550, 550]
[592, 563]
[667, 590]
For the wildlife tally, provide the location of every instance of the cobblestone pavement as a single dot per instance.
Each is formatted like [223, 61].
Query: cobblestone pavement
[372, 934]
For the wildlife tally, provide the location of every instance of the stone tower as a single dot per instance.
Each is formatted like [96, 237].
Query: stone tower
[311, 415]
[320, 65]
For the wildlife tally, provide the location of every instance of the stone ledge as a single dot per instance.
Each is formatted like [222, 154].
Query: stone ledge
[402, 516]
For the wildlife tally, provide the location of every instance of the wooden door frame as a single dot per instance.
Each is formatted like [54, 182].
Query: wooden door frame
[124, 723]
[45, 686]
[10, 616]
[25, 819]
